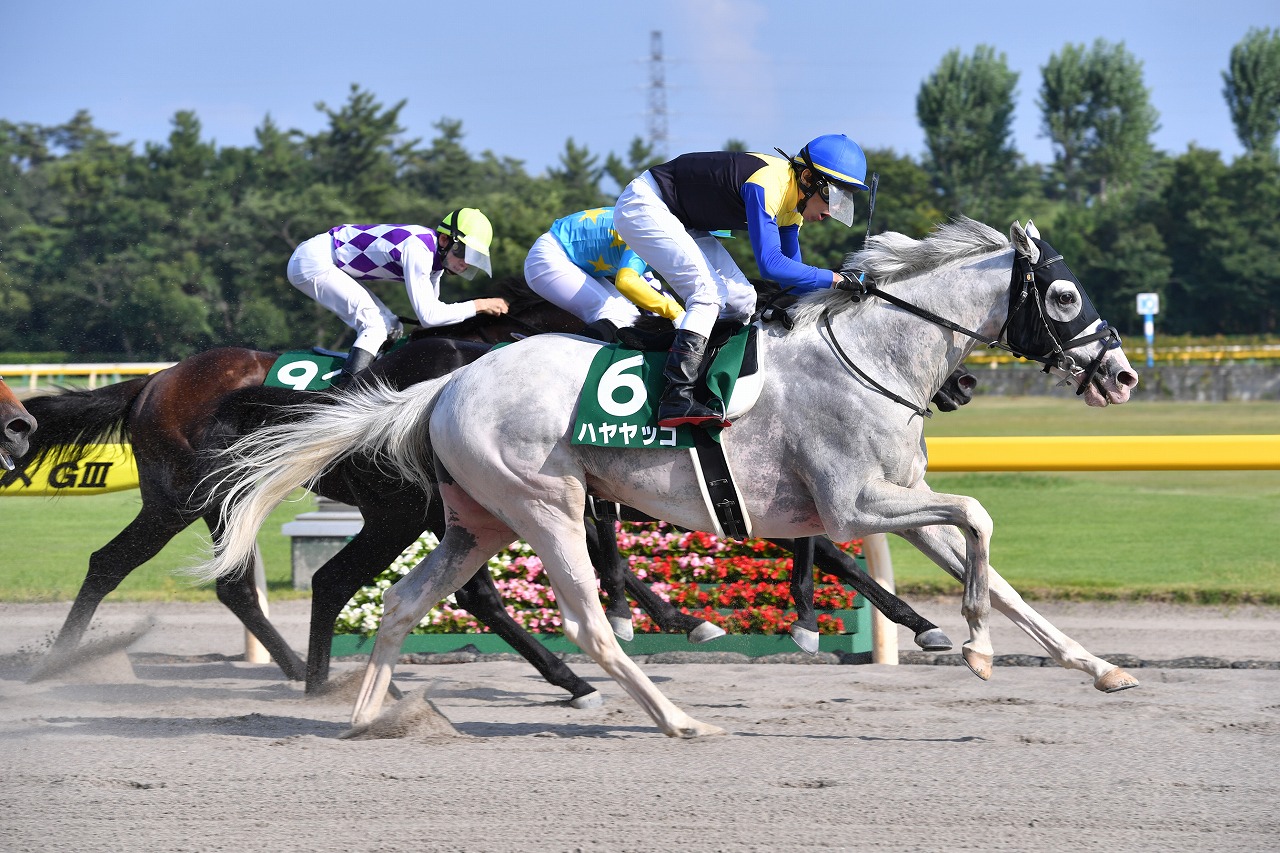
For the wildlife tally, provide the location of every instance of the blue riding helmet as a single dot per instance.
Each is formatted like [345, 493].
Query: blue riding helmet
[838, 158]
[839, 167]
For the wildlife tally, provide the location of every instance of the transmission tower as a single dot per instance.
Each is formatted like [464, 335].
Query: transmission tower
[657, 97]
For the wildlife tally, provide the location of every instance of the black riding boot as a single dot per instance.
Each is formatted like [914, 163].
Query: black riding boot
[357, 360]
[677, 405]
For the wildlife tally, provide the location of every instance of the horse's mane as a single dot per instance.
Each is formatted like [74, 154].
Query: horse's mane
[893, 257]
[516, 291]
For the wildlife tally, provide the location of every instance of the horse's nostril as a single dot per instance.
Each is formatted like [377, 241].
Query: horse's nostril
[19, 426]
[1127, 379]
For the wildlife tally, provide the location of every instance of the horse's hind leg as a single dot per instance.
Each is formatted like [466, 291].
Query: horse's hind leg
[459, 555]
[382, 538]
[562, 547]
[239, 594]
[140, 540]
[479, 597]
[830, 559]
[945, 547]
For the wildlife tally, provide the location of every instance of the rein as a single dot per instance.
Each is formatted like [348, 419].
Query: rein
[1024, 275]
[922, 411]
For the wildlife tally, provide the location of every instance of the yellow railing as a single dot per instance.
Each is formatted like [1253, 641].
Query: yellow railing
[1106, 453]
[94, 372]
[111, 468]
[1166, 355]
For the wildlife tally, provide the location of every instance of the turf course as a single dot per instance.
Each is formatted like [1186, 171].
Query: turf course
[1209, 536]
[47, 543]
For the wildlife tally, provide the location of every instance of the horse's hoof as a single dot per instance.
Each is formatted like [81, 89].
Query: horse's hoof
[587, 701]
[696, 729]
[705, 631]
[1115, 680]
[979, 663]
[622, 628]
[933, 640]
[804, 638]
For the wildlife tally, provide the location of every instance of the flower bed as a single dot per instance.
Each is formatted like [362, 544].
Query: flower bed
[740, 586]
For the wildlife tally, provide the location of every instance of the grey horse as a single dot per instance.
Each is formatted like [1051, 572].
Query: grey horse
[833, 445]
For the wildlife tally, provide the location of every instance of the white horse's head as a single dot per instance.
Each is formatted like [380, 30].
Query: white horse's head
[1051, 315]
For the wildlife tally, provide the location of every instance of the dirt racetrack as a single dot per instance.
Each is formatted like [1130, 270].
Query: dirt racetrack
[172, 744]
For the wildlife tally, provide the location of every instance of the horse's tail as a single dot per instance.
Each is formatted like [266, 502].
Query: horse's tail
[72, 420]
[260, 469]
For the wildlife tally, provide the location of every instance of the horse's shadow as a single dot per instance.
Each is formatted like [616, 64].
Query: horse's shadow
[555, 730]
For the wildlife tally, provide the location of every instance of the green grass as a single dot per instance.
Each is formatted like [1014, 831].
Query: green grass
[1204, 536]
[1211, 536]
[47, 543]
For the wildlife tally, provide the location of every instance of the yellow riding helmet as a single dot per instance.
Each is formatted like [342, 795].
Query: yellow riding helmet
[473, 230]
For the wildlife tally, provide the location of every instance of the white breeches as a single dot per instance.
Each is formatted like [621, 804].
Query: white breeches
[312, 270]
[558, 280]
[691, 262]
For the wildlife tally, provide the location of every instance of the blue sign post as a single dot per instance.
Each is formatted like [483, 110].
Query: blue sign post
[1149, 307]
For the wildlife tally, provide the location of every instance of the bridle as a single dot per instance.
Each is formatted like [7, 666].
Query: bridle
[1025, 328]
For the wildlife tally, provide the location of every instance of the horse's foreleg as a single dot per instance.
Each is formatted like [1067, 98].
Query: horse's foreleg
[666, 615]
[946, 548]
[479, 597]
[602, 546]
[890, 508]
[830, 559]
[563, 550]
[804, 631]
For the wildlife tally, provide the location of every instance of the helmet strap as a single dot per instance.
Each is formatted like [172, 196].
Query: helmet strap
[807, 191]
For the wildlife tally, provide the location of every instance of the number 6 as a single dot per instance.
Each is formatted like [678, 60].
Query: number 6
[615, 380]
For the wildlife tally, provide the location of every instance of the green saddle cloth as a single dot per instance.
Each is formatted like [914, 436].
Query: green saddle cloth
[304, 370]
[618, 406]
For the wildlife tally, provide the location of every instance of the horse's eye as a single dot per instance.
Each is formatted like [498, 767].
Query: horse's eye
[1066, 297]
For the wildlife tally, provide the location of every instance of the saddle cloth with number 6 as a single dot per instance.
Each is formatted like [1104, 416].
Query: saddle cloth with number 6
[619, 401]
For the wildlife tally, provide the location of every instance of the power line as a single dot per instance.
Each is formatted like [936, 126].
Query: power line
[657, 113]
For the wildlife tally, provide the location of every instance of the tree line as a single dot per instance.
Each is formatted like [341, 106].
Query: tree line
[182, 246]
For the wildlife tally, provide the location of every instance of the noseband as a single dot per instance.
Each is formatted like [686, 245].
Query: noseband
[1029, 315]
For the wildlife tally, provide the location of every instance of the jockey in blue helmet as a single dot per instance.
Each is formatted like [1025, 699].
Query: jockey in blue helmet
[668, 214]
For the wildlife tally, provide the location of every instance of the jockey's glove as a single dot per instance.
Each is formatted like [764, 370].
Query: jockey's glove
[642, 293]
[854, 282]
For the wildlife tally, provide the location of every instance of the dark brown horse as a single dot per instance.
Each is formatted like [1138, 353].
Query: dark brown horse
[16, 426]
[167, 417]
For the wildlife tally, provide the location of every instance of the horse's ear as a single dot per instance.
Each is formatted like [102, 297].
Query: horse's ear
[1032, 231]
[1023, 243]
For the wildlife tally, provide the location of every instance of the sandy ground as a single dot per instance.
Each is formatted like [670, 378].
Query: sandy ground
[173, 744]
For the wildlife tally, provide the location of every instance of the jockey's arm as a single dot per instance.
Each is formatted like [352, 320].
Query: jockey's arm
[778, 254]
[423, 289]
[631, 285]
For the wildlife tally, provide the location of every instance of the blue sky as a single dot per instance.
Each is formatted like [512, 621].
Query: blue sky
[525, 76]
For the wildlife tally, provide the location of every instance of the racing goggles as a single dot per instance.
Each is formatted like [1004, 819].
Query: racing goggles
[475, 261]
